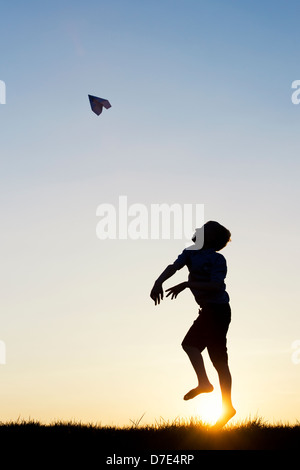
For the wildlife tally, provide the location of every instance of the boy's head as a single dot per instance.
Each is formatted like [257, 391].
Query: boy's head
[215, 235]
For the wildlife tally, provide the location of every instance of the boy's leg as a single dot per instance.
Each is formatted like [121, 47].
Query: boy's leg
[225, 384]
[204, 385]
[217, 351]
[193, 344]
[228, 410]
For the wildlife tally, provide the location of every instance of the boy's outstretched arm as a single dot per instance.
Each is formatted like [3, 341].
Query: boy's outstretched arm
[157, 293]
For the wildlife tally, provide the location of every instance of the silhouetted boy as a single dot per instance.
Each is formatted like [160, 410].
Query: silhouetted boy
[207, 271]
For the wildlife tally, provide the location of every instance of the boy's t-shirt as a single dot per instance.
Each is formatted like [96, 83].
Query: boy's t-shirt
[205, 265]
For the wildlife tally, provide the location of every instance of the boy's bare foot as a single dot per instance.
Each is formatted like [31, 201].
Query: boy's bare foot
[224, 418]
[196, 391]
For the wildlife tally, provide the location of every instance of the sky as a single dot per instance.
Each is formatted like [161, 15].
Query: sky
[201, 114]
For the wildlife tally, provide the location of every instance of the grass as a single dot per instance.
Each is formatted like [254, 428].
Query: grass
[253, 434]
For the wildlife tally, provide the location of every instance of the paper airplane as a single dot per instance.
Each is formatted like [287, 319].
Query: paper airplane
[97, 104]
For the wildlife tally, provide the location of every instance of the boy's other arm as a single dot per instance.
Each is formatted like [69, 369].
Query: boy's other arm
[204, 286]
[157, 293]
[208, 286]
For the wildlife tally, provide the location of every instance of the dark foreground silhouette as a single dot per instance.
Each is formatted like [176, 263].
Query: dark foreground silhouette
[103, 441]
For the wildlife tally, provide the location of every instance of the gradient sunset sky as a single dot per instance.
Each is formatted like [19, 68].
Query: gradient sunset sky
[201, 114]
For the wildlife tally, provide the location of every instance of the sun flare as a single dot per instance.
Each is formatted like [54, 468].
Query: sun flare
[209, 411]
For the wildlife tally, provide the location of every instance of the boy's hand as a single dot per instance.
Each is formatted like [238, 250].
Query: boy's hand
[175, 290]
[157, 293]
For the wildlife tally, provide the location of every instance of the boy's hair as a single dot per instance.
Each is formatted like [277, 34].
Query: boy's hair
[215, 235]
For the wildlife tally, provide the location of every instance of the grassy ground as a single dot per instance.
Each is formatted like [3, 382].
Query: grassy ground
[178, 436]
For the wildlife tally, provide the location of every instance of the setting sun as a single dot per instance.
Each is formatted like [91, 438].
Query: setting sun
[209, 411]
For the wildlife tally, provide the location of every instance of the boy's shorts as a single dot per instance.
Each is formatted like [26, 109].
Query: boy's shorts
[209, 331]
